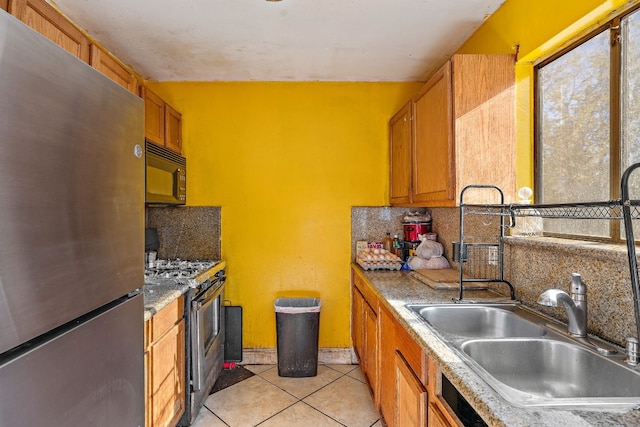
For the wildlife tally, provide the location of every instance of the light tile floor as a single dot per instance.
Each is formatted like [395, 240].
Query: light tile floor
[337, 396]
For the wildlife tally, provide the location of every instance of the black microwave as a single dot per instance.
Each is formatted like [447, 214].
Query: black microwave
[165, 177]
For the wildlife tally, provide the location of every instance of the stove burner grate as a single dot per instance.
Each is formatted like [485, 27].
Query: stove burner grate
[177, 268]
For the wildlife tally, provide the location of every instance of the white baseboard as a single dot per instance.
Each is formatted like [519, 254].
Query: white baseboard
[326, 355]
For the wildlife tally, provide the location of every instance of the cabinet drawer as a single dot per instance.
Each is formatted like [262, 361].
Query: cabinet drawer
[166, 318]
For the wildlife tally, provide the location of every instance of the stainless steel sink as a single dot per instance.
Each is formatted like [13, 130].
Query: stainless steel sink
[478, 321]
[544, 372]
[530, 360]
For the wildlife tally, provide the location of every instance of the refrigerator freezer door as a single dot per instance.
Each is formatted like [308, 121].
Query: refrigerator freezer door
[90, 375]
[72, 193]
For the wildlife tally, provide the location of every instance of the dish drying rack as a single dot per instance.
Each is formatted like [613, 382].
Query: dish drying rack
[481, 254]
[480, 249]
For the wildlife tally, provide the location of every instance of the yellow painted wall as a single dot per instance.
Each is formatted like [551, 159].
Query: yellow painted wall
[286, 162]
[540, 28]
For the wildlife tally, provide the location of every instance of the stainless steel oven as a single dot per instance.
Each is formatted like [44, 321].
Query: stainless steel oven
[207, 320]
[205, 330]
[205, 354]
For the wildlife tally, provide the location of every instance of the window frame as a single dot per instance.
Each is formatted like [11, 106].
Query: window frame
[613, 26]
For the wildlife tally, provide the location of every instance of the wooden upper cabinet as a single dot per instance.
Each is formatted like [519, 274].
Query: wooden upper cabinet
[173, 129]
[463, 132]
[162, 123]
[432, 159]
[153, 117]
[484, 117]
[110, 67]
[400, 155]
[45, 19]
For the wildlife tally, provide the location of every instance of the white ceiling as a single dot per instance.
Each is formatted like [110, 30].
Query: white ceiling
[291, 40]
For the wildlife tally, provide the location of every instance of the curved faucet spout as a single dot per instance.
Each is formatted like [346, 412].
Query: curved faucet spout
[551, 298]
[575, 305]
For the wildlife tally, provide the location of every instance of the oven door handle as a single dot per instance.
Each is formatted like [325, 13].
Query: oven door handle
[209, 294]
[197, 353]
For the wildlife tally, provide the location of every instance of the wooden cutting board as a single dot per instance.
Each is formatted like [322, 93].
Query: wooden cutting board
[445, 279]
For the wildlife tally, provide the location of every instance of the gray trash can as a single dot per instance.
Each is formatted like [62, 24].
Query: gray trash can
[297, 327]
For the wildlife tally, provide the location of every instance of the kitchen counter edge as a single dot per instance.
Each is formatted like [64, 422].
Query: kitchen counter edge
[156, 297]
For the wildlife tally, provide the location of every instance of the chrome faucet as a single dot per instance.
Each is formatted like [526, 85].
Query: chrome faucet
[576, 304]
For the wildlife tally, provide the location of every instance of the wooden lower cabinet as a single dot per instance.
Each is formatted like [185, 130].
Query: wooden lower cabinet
[411, 395]
[403, 377]
[165, 366]
[436, 417]
[365, 332]
[371, 346]
[405, 384]
[440, 414]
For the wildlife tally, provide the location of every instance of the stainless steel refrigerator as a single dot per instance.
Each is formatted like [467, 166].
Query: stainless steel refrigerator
[71, 239]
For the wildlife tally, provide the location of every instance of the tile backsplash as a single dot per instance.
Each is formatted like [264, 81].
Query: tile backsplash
[372, 224]
[187, 232]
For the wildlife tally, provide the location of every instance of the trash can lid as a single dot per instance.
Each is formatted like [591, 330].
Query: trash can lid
[297, 305]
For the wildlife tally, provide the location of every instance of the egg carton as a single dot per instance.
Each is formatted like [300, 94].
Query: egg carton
[379, 265]
[378, 259]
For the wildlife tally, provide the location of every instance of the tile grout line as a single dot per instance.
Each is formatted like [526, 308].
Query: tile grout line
[315, 391]
[300, 400]
[215, 415]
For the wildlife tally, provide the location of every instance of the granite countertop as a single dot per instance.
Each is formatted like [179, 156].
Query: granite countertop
[159, 292]
[157, 296]
[397, 288]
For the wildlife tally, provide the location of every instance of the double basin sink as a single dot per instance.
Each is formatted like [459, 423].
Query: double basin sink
[529, 361]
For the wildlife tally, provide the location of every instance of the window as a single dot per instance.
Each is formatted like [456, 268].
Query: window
[588, 124]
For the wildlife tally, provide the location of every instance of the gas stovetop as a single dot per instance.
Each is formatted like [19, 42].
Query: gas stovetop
[191, 272]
